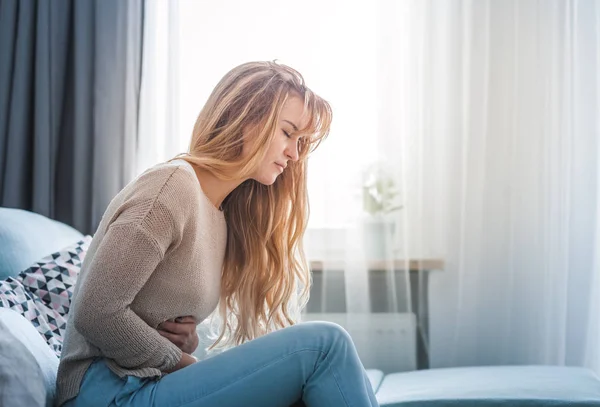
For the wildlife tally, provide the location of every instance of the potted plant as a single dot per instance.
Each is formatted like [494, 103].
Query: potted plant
[380, 203]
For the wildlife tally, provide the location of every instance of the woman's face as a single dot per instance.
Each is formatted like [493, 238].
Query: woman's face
[284, 147]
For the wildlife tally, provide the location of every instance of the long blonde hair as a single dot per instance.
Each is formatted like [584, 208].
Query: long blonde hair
[265, 278]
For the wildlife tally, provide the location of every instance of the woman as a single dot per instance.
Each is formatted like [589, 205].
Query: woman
[220, 226]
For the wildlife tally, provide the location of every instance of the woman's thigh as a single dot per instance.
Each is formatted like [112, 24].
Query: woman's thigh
[268, 371]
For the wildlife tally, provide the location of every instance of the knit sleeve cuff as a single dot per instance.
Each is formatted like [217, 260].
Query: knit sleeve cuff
[168, 360]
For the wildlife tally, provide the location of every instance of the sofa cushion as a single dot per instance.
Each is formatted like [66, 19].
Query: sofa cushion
[26, 237]
[375, 377]
[33, 382]
[491, 386]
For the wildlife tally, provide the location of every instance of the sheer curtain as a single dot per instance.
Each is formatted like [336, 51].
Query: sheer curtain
[499, 105]
[464, 147]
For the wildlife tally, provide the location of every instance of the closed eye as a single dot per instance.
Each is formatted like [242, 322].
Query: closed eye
[286, 134]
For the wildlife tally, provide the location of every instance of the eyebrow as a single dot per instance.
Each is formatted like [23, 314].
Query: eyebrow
[293, 125]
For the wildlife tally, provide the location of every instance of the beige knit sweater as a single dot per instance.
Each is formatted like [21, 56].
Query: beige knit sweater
[157, 255]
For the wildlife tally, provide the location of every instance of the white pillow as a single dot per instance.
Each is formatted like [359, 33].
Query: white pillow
[27, 364]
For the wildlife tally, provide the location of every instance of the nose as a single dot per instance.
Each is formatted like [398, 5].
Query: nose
[291, 150]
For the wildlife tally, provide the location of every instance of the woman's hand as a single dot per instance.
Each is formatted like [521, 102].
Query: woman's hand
[182, 333]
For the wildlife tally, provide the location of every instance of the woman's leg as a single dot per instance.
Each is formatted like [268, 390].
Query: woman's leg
[315, 361]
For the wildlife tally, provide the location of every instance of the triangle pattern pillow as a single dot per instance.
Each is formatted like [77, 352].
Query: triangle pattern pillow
[42, 293]
[49, 323]
[53, 278]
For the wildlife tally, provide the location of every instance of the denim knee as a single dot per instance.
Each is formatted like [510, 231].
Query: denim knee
[324, 333]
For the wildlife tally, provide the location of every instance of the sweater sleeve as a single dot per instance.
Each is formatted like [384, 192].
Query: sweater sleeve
[125, 259]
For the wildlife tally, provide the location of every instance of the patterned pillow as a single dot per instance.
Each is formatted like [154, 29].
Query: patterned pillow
[53, 277]
[49, 323]
[42, 293]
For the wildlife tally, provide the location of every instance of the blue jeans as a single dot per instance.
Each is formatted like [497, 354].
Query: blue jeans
[315, 362]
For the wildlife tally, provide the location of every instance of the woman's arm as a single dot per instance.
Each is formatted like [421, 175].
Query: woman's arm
[123, 262]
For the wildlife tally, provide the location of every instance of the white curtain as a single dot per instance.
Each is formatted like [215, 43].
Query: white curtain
[161, 92]
[500, 107]
[484, 116]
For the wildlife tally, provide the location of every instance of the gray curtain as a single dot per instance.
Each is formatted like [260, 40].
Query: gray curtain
[69, 87]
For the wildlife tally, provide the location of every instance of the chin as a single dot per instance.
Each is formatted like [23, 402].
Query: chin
[266, 179]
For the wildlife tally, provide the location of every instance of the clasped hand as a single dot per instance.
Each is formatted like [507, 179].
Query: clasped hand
[182, 333]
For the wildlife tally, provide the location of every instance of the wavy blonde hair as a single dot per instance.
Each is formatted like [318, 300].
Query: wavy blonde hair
[265, 276]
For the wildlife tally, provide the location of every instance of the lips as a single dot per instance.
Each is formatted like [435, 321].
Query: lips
[282, 166]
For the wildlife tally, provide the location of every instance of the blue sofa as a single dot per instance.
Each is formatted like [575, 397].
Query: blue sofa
[29, 366]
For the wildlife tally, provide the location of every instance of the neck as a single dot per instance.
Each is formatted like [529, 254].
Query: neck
[216, 190]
